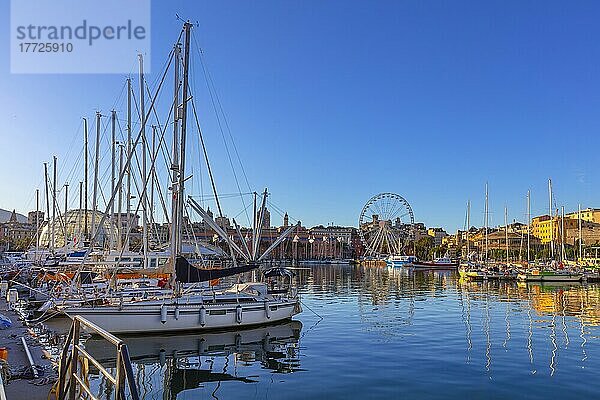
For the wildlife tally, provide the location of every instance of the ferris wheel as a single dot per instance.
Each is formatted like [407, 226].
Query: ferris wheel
[385, 224]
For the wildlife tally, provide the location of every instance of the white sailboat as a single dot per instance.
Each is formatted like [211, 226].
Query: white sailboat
[195, 308]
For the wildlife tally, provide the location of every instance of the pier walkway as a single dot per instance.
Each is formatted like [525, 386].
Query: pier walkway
[23, 385]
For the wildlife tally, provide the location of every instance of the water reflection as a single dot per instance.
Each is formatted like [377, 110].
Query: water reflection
[375, 332]
[168, 365]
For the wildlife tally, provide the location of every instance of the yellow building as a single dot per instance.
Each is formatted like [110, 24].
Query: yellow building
[589, 214]
[544, 228]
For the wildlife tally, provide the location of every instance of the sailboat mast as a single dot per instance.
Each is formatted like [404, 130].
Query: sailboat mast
[468, 226]
[562, 233]
[175, 244]
[551, 218]
[129, 150]
[180, 186]
[47, 196]
[79, 235]
[65, 214]
[37, 223]
[113, 124]
[53, 202]
[254, 228]
[120, 200]
[506, 232]
[579, 228]
[486, 217]
[152, 173]
[528, 225]
[144, 199]
[95, 189]
[85, 178]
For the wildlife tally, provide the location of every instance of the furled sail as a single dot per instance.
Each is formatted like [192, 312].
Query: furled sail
[187, 273]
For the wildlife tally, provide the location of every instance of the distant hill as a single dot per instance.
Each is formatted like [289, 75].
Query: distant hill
[5, 216]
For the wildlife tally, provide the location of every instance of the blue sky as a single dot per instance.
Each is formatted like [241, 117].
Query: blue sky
[332, 102]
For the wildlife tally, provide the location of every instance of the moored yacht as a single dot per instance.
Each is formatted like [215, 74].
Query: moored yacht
[438, 263]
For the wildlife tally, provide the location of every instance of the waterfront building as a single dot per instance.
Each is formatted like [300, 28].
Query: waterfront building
[548, 229]
[126, 220]
[588, 214]
[437, 234]
[15, 234]
[34, 216]
[223, 222]
[267, 219]
[544, 228]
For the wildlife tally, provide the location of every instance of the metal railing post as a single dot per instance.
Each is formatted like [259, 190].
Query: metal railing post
[69, 381]
[63, 367]
[74, 358]
[119, 376]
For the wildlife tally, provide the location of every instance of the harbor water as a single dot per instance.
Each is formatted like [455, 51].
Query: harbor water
[382, 333]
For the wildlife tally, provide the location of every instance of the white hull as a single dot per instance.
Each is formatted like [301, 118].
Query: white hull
[130, 318]
[550, 278]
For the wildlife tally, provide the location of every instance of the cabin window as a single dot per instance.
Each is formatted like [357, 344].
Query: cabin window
[153, 263]
[217, 312]
[273, 308]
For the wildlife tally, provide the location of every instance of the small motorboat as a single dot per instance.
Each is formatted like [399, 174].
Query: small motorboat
[400, 261]
[438, 263]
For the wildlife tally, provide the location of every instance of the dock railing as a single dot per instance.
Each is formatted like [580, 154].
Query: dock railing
[71, 380]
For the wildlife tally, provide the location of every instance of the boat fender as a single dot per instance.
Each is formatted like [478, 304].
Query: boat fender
[201, 346]
[267, 309]
[238, 314]
[163, 314]
[202, 316]
[176, 312]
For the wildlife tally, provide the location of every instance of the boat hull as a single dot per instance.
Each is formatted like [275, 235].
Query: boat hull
[433, 265]
[550, 278]
[136, 318]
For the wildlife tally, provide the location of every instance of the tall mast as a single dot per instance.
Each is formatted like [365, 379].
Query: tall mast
[47, 198]
[486, 221]
[79, 212]
[65, 214]
[254, 229]
[144, 176]
[551, 218]
[528, 225]
[180, 187]
[562, 233]
[53, 202]
[152, 173]
[468, 226]
[579, 228]
[85, 178]
[113, 123]
[37, 223]
[506, 232]
[120, 201]
[174, 236]
[95, 190]
[129, 146]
